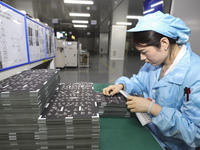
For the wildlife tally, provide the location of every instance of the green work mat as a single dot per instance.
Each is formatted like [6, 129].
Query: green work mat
[124, 133]
[99, 86]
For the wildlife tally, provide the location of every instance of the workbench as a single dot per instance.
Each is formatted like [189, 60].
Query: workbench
[124, 133]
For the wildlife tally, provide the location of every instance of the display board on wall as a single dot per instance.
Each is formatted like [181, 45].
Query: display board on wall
[54, 43]
[13, 48]
[35, 40]
[23, 40]
[50, 49]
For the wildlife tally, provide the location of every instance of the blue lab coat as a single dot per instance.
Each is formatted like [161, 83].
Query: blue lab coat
[178, 123]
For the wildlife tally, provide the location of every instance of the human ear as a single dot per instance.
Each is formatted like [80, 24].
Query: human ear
[164, 42]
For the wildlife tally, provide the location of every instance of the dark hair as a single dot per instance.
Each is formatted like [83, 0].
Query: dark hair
[149, 38]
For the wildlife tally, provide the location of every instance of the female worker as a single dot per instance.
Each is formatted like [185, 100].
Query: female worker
[170, 77]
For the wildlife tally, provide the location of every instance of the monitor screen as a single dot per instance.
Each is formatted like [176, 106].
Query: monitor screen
[60, 35]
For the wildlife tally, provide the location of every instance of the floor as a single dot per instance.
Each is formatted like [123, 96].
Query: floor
[103, 70]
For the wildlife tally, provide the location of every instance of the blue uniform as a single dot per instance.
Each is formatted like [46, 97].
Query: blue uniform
[178, 123]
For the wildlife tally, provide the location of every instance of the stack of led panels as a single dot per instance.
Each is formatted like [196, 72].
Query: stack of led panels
[112, 106]
[71, 119]
[22, 98]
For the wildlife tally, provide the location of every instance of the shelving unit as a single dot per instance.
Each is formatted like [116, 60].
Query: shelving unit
[83, 59]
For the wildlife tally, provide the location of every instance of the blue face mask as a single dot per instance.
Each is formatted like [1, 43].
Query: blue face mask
[164, 24]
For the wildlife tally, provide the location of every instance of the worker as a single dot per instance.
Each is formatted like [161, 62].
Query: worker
[169, 81]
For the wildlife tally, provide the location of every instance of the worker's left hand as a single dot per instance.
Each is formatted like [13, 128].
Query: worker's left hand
[137, 104]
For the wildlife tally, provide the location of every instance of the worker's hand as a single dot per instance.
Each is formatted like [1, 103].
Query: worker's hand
[112, 89]
[137, 104]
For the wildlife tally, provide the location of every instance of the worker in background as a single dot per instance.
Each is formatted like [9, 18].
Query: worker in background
[169, 81]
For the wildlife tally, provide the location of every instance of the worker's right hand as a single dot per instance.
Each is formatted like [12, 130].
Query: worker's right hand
[112, 89]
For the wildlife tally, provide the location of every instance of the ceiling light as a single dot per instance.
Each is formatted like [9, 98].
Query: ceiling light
[156, 4]
[80, 26]
[124, 23]
[79, 2]
[79, 14]
[133, 17]
[149, 10]
[80, 21]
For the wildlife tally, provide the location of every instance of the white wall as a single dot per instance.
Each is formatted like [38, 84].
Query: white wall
[189, 11]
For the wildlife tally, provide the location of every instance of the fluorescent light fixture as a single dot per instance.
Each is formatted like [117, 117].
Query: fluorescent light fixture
[133, 17]
[79, 14]
[80, 26]
[79, 2]
[156, 4]
[124, 23]
[80, 21]
[149, 10]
